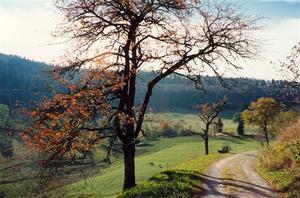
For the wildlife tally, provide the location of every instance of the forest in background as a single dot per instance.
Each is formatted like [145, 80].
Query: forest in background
[23, 82]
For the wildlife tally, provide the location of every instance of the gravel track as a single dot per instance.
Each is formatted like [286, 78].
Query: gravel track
[235, 177]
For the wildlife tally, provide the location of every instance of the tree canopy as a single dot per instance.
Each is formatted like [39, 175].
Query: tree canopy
[115, 40]
[262, 113]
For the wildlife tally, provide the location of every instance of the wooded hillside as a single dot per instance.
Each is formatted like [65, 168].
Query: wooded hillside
[22, 81]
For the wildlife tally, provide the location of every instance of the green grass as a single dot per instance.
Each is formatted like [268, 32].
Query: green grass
[279, 179]
[166, 153]
[285, 180]
[182, 181]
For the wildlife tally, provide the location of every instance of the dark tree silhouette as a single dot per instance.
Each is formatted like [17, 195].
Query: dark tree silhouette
[240, 128]
[117, 39]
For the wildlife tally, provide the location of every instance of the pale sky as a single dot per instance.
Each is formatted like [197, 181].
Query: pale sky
[26, 27]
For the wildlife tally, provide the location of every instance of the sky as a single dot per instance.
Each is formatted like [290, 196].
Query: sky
[26, 27]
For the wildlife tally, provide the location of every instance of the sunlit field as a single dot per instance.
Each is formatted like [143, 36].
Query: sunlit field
[163, 152]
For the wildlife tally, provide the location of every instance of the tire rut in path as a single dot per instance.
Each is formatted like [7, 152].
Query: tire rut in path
[235, 177]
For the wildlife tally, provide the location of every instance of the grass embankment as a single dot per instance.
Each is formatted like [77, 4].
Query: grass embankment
[166, 154]
[280, 164]
[182, 181]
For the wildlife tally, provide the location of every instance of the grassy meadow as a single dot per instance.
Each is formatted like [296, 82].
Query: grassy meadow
[190, 120]
[165, 153]
[153, 156]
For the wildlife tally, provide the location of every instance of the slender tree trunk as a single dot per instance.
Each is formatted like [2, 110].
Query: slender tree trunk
[129, 166]
[267, 138]
[206, 143]
[266, 134]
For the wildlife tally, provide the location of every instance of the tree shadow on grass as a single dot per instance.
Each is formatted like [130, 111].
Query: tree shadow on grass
[184, 183]
[190, 178]
[144, 145]
[170, 183]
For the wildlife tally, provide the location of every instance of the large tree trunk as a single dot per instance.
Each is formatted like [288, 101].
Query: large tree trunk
[206, 146]
[129, 166]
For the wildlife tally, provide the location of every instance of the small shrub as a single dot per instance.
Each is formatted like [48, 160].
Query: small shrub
[218, 126]
[6, 148]
[167, 130]
[284, 120]
[187, 131]
[225, 149]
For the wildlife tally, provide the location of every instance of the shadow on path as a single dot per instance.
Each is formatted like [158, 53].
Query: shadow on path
[242, 181]
[213, 183]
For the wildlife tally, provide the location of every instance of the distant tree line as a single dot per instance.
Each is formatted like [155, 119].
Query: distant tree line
[23, 81]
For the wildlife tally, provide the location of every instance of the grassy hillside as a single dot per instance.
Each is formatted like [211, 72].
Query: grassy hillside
[165, 153]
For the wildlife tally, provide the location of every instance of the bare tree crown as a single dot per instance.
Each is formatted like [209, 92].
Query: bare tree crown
[164, 36]
[115, 39]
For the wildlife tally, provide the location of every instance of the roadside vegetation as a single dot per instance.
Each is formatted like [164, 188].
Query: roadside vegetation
[280, 163]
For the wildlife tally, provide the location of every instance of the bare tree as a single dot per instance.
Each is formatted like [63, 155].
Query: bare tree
[113, 40]
[291, 67]
[208, 112]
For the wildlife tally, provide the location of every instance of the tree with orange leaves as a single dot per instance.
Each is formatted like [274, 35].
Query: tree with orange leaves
[207, 113]
[112, 42]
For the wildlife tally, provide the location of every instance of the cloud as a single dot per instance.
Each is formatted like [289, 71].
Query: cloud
[279, 38]
[28, 33]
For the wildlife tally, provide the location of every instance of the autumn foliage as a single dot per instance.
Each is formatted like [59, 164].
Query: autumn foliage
[262, 113]
[73, 122]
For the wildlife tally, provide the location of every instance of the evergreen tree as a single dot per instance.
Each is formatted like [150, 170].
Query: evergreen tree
[240, 128]
[218, 127]
[237, 117]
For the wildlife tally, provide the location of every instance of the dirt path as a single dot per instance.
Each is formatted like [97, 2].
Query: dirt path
[235, 176]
